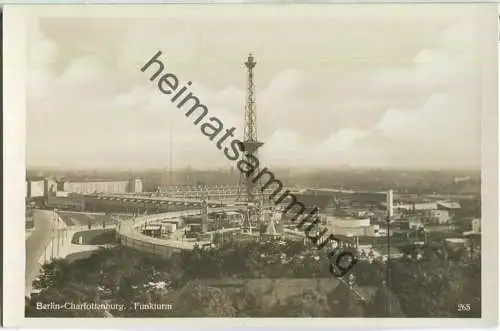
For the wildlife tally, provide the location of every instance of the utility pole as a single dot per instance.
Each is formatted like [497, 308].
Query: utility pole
[390, 215]
[58, 224]
[52, 245]
[58, 243]
[171, 173]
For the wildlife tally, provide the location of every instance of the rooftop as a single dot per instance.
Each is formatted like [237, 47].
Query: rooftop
[83, 219]
[449, 204]
[96, 180]
[312, 200]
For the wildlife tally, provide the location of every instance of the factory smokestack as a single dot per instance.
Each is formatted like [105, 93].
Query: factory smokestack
[390, 204]
[204, 216]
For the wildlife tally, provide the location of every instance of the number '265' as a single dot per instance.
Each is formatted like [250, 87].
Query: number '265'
[463, 307]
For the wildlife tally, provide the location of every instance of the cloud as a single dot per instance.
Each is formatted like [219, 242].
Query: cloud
[41, 56]
[286, 148]
[343, 140]
[435, 117]
[284, 82]
[441, 124]
[341, 110]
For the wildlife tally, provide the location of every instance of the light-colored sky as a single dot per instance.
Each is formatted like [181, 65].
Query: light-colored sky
[360, 86]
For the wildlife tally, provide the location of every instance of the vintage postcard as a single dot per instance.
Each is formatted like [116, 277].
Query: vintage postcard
[292, 165]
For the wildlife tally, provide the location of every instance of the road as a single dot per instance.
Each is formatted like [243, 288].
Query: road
[128, 228]
[37, 241]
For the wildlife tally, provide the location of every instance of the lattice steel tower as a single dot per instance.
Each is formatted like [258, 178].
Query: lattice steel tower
[251, 191]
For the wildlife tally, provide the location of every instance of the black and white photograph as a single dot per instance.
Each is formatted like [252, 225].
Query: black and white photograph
[294, 161]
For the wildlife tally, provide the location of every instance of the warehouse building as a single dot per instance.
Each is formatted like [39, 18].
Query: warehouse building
[103, 186]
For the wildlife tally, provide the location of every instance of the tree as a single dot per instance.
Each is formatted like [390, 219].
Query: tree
[309, 303]
[344, 302]
[433, 287]
[368, 274]
[247, 303]
[53, 275]
[125, 292]
[384, 304]
[204, 301]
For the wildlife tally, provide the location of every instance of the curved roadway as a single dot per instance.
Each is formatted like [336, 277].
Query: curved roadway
[128, 228]
[37, 242]
[49, 240]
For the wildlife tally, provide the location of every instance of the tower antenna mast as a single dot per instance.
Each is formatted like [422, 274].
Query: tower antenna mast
[251, 193]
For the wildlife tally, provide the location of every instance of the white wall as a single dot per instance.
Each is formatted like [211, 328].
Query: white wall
[369, 231]
[99, 187]
[37, 188]
[347, 222]
[138, 186]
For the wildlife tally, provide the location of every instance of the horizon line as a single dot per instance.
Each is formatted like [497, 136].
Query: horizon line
[221, 168]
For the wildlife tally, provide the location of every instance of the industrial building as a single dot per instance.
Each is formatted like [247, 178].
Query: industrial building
[417, 206]
[100, 186]
[350, 226]
[472, 226]
[40, 188]
[35, 188]
[476, 225]
[209, 192]
[437, 216]
[66, 201]
[325, 203]
[409, 222]
[225, 220]
[352, 198]
[347, 222]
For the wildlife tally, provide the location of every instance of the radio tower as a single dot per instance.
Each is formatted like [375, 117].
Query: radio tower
[251, 194]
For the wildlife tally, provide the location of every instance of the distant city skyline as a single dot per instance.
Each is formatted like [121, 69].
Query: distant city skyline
[359, 94]
[166, 170]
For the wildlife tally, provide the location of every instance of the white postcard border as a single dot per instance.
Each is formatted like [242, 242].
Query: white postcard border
[15, 21]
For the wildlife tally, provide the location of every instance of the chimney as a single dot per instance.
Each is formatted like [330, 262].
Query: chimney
[204, 216]
[390, 204]
[351, 281]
